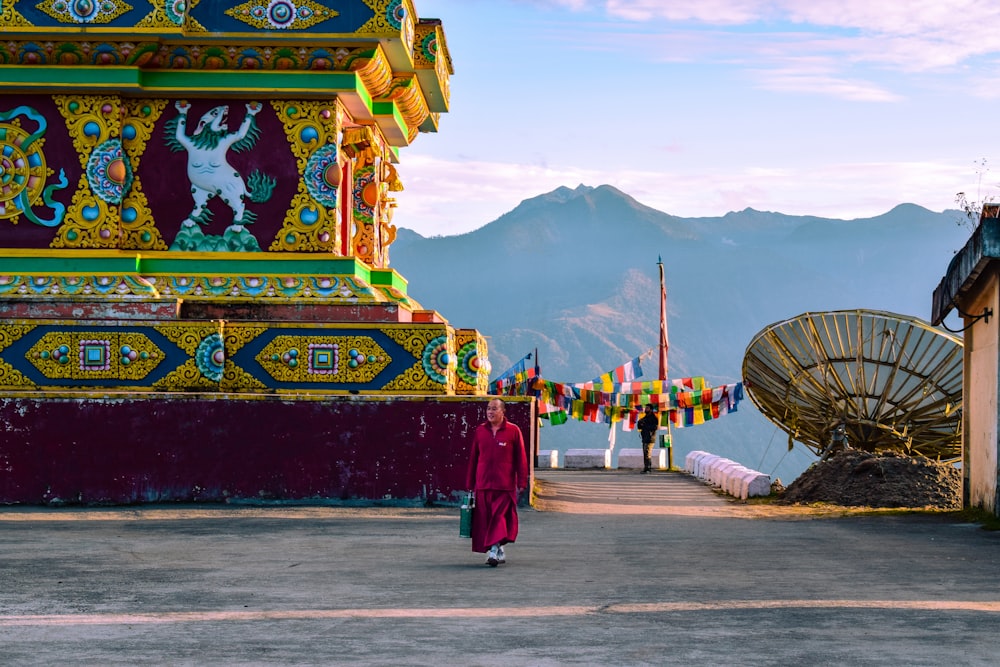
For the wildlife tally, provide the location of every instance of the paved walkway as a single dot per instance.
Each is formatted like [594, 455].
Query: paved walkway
[628, 492]
[621, 568]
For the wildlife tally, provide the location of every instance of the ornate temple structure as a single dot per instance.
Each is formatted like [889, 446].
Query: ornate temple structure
[196, 214]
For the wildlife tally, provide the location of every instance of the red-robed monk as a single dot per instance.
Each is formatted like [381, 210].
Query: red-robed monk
[498, 468]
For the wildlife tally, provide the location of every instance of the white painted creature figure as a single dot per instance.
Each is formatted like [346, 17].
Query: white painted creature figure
[209, 171]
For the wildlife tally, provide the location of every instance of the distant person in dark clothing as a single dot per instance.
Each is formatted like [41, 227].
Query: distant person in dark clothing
[647, 431]
[498, 467]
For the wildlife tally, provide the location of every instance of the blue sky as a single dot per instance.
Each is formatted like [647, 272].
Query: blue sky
[836, 108]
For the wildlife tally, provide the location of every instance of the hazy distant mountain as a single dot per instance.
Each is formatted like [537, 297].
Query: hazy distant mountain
[573, 273]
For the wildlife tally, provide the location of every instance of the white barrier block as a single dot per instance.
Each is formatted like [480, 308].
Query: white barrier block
[632, 458]
[721, 471]
[629, 458]
[732, 477]
[548, 458]
[587, 458]
[703, 464]
[760, 485]
[689, 460]
[740, 481]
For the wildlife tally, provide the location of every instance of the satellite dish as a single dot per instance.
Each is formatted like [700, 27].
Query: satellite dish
[883, 382]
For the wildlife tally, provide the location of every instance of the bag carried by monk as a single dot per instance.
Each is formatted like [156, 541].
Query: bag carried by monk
[465, 515]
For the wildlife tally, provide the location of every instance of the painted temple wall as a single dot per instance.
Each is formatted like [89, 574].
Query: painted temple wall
[135, 449]
[195, 295]
[982, 368]
[107, 172]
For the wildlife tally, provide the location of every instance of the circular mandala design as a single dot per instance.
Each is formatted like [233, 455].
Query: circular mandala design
[429, 47]
[318, 175]
[359, 192]
[211, 357]
[436, 360]
[468, 363]
[83, 11]
[281, 13]
[109, 172]
[396, 13]
[22, 171]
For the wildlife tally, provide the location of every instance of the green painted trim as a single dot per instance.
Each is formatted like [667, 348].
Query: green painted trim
[70, 77]
[151, 82]
[240, 264]
[388, 278]
[258, 81]
[37, 262]
[36, 265]
[389, 111]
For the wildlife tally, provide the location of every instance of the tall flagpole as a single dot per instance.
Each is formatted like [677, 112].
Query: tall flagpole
[664, 346]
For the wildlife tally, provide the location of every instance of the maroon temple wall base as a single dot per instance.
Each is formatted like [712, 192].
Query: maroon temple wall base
[199, 449]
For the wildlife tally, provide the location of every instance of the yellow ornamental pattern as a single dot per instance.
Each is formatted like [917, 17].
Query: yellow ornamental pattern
[312, 130]
[94, 355]
[95, 13]
[234, 378]
[265, 16]
[205, 369]
[10, 376]
[187, 377]
[138, 229]
[323, 359]
[434, 349]
[94, 123]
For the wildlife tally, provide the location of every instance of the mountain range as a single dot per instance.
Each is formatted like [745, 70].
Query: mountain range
[573, 273]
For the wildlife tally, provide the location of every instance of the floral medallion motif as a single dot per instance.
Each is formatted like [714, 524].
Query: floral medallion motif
[211, 357]
[364, 185]
[109, 172]
[469, 363]
[174, 9]
[436, 360]
[396, 14]
[322, 175]
[429, 47]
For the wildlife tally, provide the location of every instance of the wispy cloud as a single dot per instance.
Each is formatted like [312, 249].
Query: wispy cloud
[855, 38]
[716, 12]
[822, 81]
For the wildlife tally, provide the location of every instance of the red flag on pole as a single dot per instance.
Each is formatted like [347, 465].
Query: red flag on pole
[664, 345]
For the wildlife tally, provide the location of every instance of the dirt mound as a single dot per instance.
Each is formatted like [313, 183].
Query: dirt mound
[857, 478]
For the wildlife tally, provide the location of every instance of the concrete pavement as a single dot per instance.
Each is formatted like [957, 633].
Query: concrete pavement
[614, 568]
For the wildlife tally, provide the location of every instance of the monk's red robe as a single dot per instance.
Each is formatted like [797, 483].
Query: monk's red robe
[498, 468]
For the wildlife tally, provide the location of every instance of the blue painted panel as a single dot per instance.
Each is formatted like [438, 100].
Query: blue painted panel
[402, 360]
[352, 14]
[16, 356]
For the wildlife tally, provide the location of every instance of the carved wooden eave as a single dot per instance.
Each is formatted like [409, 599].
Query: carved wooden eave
[409, 99]
[372, 67]
[433, 66]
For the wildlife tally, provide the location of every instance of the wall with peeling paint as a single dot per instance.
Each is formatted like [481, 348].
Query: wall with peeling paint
[199, 448]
